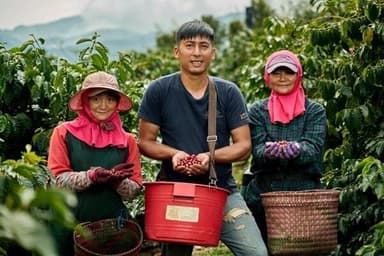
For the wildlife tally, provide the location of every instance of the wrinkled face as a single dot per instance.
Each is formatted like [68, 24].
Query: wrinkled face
[195, 55]
[282, 80]
[103, 105]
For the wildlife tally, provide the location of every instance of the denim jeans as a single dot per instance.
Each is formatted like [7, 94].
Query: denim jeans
[239, 232]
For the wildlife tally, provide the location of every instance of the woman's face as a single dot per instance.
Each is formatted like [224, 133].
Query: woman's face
[282, 80]
[103, 105]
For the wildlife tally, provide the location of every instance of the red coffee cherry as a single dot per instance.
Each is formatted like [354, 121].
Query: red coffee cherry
[188, 161]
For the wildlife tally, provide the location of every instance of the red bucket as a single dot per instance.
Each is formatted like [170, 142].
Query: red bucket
[184, 212]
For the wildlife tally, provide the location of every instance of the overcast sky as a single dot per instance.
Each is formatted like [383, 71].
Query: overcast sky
[144, 13]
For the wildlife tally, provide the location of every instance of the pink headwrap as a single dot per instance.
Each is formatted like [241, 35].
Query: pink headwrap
[95, 133]
[284, 108]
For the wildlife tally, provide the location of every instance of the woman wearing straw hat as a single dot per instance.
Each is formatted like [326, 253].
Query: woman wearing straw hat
[288, 132]
[93, 156]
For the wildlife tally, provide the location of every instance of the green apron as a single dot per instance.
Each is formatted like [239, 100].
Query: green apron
[97, 202]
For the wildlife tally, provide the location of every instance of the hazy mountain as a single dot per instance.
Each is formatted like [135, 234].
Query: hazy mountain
[61, 36]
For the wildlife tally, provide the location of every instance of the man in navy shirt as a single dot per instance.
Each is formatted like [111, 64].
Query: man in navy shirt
[175, 107]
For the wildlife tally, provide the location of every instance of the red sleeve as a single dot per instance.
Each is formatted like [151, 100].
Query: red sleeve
[134, 157]
[58, 161]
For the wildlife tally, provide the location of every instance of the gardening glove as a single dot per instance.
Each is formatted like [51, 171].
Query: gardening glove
[290, 150]
[272, 150]
[122, 171]
[99, 175]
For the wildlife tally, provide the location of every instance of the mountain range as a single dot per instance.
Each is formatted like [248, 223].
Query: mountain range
[61, 36]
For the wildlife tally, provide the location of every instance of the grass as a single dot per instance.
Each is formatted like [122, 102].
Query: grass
[220, 250]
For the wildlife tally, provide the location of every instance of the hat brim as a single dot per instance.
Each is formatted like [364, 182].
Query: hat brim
[75, 102]
[273, 67]
[97, 92]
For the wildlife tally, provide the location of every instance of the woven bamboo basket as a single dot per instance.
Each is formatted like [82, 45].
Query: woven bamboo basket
[108, 237]
[301, 222]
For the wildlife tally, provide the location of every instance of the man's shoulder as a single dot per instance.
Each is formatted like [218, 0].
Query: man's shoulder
[226, 87]
[168, 77]
[160, 83]
[222, 82]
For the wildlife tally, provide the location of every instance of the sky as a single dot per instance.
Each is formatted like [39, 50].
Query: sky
[143, 13]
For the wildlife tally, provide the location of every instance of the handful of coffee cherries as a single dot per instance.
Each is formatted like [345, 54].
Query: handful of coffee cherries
[282, 149]
[188, 161]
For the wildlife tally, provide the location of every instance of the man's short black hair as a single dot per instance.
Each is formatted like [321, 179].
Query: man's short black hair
[193, 29]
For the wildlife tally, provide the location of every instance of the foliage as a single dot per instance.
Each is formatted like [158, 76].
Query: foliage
[220, 250]
[343, 69]
[376, 247]
[361, 204]
[29, 205]
[339, 43]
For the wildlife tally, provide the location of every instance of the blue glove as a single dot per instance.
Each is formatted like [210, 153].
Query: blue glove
[290, 150]
[272, 150]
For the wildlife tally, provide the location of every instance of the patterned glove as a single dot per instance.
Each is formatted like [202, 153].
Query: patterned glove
[272, 150]
[290, 150]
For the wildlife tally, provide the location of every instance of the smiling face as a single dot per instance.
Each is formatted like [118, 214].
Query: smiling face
[195, 54]
[103, 105]
[282, 80]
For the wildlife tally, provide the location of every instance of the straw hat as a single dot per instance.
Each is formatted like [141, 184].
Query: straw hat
[100, 81]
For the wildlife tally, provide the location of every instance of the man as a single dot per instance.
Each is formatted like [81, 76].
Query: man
[176, 106]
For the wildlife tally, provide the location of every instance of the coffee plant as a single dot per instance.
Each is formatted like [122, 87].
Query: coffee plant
[339, 43]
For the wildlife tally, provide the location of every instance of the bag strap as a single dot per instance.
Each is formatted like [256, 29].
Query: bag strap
[212, 137]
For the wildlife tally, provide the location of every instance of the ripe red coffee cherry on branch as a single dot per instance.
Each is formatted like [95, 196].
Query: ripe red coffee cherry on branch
[188, 161]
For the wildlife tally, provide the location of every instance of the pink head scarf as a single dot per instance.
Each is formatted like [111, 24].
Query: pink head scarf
[94, 132]
[284, 108]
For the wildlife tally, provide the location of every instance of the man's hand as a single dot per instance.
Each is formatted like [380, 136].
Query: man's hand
[190, 164]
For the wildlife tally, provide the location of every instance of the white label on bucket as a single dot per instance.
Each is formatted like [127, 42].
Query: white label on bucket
[182, 213]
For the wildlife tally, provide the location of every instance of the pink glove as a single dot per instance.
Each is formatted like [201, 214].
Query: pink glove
[272, 150]
[291, 150]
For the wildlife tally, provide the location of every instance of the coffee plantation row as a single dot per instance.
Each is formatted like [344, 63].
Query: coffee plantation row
[340, 44]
